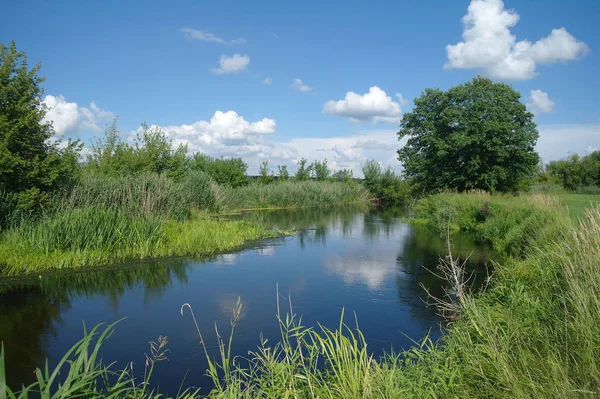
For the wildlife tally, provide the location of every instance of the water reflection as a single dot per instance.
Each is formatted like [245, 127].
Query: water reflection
[366, 261]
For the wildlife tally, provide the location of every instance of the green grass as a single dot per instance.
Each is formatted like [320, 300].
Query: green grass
[532, 334]
[96, 236]
[577, 203]
[294, 195]
[104, 220]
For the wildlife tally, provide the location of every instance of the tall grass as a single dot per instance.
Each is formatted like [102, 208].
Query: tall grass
[97, 236]
[82, 373]
[297, 194]
[147, 194]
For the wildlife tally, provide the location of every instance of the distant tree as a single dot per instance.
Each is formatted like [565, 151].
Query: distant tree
[151, 152]
[343, 175]
[303, 172]
[32, 161]
[230, 172]
[283, 172]
[320, 171]
[265, 176]
[575, 171]
[477, 135]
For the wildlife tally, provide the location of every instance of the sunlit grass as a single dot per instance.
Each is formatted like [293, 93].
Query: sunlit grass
[96, 236]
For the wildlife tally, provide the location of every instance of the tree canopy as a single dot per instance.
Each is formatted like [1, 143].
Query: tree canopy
[477, 135]
[32, 162]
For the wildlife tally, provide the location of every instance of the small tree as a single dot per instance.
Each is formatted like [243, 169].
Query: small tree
[230, 172]
[477, 135]
[265, 176]
[320, 171]
[283, 172]
[343, 175]
[303, 172]
[387, 188]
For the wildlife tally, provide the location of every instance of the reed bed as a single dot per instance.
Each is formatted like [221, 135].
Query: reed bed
[95, 236]
[298, 194]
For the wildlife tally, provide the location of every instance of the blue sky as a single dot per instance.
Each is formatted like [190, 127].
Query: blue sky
[282, 91]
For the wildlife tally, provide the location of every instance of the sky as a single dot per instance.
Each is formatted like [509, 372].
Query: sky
[282, 80]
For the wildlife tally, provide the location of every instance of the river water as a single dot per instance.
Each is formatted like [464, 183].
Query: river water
[367, 262]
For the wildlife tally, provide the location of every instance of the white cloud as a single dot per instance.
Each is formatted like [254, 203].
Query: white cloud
[299, 86]
[558, 141]
[490, 46]
[267, 81]
[374, 107]
[225, 131]
[538, 102]
[68, 117]
[207, 36]
[232, 64]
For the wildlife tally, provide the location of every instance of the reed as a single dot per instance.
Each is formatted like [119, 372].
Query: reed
[297, 194]
[97, 236]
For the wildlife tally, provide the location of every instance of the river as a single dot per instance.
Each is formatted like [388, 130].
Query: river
[368, 262]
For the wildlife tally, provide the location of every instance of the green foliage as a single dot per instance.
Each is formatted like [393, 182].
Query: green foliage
[387, 188]
[303, 172]
[32, 164]
[229, 172]
[146, 194]
[265, 176]
[576, 172]
[477, 135]
[320, 171]
[294, 194]
[151, 152]
[343, 175]
[283, 174]
[95, 236]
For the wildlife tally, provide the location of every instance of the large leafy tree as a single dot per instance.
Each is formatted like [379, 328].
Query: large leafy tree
[477, 135]
[31, 162]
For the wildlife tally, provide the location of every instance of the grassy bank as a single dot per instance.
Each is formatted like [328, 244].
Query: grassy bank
[95, 236]
[104, 220]
[533, 333]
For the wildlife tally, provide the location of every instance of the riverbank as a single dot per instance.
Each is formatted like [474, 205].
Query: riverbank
[531, 334]
[105, 220]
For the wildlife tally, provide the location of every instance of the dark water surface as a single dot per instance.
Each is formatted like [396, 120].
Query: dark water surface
[367, 262]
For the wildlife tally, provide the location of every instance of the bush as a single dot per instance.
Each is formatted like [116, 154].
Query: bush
[230, 172]
[387, 188]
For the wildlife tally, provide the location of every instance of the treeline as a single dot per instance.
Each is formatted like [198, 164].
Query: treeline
[574, 173]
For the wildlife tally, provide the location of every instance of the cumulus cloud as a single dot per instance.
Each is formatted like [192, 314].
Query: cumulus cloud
[232, 64]
[68, 117]
[373, 107]
[299, 86]
[207, 36]
[538, 102]
[224, 132]
[490, 46]
[267, 81]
